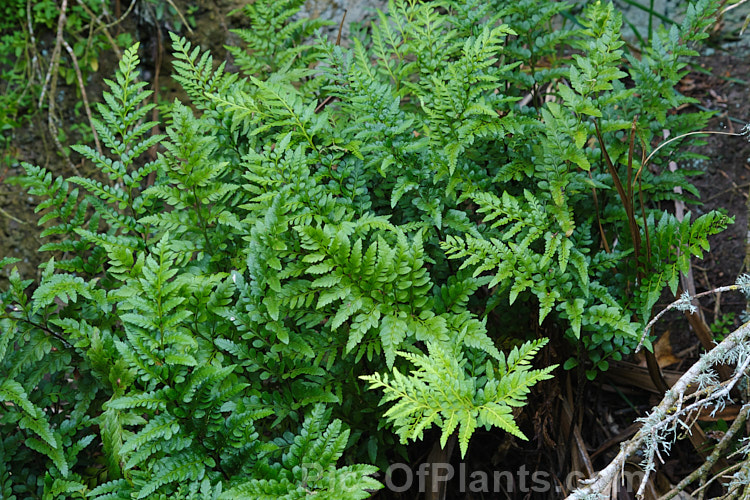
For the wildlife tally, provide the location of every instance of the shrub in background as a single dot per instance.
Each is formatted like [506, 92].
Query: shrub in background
[389, 213]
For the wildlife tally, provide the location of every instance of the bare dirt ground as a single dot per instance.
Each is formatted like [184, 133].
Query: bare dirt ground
[727, 174]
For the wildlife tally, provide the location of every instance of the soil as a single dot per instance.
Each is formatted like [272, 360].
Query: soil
[726, 178]
[720, 81]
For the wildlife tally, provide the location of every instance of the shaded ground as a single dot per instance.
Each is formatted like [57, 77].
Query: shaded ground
[720, 81]
[726, 181]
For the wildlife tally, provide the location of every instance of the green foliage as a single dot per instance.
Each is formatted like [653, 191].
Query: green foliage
[274, 43]
[26, 62]
[14, 94]
[403, 212]
[723, 325]
[441, 391]
[308, 467]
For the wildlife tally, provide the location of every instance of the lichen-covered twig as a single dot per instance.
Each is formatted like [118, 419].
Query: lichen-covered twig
[684, 303]
[662, 424]
[702, 471]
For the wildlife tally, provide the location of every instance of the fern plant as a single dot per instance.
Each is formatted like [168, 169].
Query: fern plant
[415, 212]
[124, 336]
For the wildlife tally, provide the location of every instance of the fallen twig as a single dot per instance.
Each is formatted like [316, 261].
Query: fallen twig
[82, 87]
[51, 77]
[702, 471]
[668, 415]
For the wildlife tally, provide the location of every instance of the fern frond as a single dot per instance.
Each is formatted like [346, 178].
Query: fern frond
[440, 391]
[34, 418]
[275, 42]
[182, 466]
[196, 74]
[309, 465]
[66, 287]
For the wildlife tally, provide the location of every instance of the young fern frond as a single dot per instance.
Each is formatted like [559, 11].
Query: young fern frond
[124, 131]
[65, 208]
[196, 74]
[196, 188]
[440, 390]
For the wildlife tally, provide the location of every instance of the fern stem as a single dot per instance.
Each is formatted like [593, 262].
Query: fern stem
[699, 132]
[44, 329]
[626, 202]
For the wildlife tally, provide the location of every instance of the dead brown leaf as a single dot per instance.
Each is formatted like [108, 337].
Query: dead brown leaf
[662, 352]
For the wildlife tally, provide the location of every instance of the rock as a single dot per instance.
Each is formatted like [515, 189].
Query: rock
[357, 11]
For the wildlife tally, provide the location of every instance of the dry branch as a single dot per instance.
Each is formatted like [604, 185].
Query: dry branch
[669, 415]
